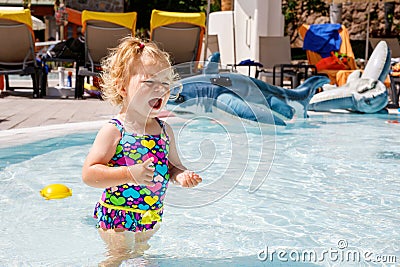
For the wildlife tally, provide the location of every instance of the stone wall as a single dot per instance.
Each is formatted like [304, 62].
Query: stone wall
[354, 17]
[97, 5]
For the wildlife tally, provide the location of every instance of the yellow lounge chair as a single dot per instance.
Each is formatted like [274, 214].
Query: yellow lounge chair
[17, 48]
[180, 34]
[102, 31]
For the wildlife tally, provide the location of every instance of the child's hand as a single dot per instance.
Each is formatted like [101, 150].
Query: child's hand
[188, 179]
[142, 173]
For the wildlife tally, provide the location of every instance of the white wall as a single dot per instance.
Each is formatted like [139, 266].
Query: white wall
[221, 24]
[252, 18]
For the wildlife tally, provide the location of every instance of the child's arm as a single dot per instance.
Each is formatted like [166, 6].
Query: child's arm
[178, 172]
[95, 171]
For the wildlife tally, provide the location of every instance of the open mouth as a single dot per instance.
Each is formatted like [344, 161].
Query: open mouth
[155, 103]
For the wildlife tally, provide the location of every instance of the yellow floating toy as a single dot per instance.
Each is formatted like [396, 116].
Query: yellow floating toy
[56, 191]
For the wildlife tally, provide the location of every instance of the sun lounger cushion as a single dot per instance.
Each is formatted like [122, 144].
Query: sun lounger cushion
[127, 20]
[22, 16]
[161, 18]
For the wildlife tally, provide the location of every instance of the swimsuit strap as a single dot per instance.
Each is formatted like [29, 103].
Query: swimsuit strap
[162, 126]
[120, 127]
[117, 124]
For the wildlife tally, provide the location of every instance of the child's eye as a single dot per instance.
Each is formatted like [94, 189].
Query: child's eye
[148, 82]
[165, 84]
[151, 83]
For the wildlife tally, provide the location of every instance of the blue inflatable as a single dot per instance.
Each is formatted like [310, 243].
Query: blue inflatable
[364, 92]
[244, 96]
[255, 100]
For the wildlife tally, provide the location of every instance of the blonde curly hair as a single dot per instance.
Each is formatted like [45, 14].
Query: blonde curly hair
[125, 61]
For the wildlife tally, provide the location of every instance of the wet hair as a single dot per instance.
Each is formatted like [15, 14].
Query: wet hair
[126, 60]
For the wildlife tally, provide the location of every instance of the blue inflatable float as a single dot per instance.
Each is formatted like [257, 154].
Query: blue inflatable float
[244, 96]
[255, 100]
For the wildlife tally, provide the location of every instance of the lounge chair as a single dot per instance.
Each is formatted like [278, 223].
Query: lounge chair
[345, 48]
[394, 46]
[275, 56]
[180, 34]
[392, 43]
[102, 31]
[17, 48]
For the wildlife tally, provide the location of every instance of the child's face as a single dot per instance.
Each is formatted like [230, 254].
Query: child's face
[148, 91]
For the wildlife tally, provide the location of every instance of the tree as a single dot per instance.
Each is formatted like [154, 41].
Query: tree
[144, 8]
[226, 5]
[293, 10]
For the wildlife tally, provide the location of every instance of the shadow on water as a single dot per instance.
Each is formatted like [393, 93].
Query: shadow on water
[20, 153]
[89, 221]
[243, 261]
[388, 155]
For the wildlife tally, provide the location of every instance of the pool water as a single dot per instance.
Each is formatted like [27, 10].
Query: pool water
[333, 185]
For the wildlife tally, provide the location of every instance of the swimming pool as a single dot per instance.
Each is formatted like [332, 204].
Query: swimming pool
[332, 190]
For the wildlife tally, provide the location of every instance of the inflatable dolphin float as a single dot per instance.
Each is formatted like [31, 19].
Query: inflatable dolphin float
[364, 92]
[244, 96]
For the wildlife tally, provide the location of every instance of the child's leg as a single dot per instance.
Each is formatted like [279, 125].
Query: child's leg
[122, 245]
[119, 246]
[142, 238]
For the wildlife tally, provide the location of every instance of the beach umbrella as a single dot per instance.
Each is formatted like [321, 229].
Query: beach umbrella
[368, 16]
[37, 24]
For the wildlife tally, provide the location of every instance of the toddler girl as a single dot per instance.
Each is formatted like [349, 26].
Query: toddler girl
[134, 155]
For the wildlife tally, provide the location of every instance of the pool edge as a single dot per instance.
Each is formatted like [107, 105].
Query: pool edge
[32, 134]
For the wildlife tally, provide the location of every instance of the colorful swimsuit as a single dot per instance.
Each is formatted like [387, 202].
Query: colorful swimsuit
[127, 206]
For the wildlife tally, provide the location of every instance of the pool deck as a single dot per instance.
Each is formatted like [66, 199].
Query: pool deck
[22, 112]
[18, 111]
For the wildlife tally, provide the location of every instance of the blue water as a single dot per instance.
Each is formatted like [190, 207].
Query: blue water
[329, 184]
